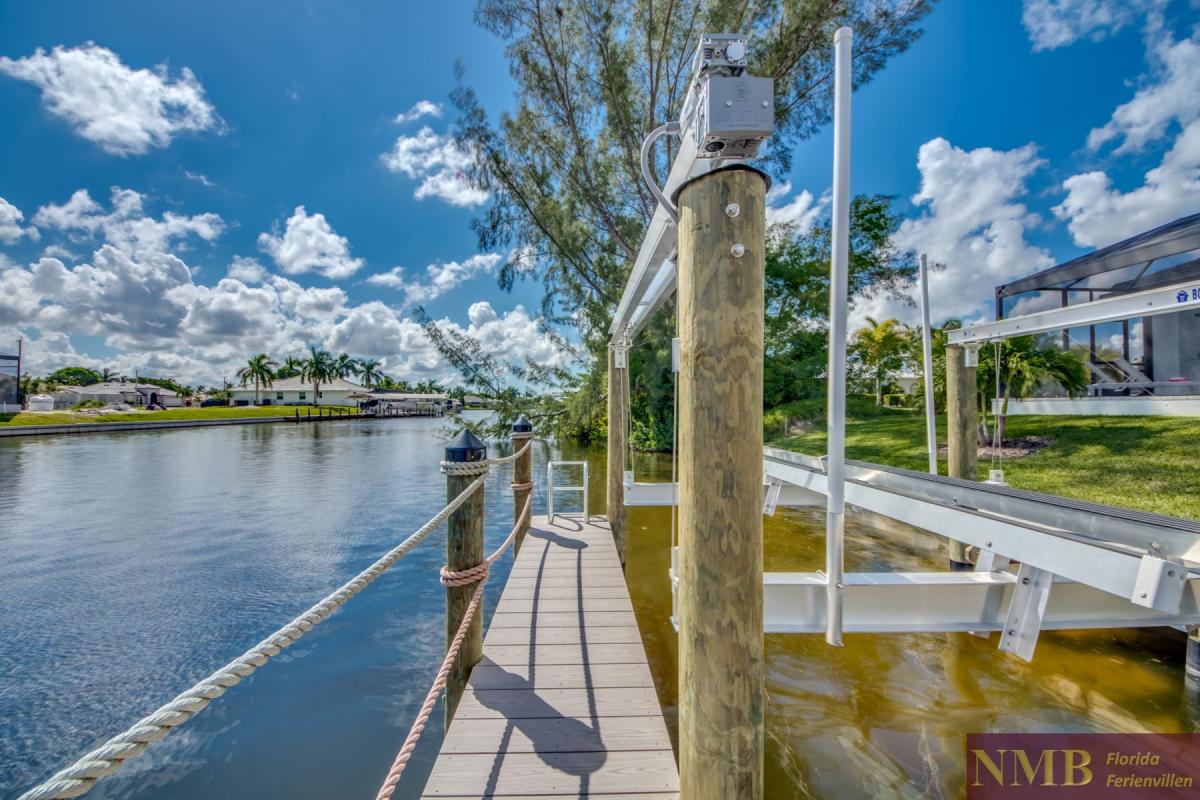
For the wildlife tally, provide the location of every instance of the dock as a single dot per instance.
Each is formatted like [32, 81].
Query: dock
[562, 704]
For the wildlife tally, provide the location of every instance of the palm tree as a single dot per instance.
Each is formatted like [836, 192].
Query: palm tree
[369, 372]
[290, 367]
[107, 375]
[345, 366]
[880, 346]
[261, 370]
[1024, 365]
[320, 367]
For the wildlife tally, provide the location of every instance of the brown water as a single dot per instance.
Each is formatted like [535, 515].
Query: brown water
[886, 716]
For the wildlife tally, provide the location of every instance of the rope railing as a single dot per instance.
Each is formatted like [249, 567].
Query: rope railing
[515, 455]
[479, 576]
[106, 759]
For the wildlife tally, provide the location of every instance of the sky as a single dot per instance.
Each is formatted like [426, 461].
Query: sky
[183, 185]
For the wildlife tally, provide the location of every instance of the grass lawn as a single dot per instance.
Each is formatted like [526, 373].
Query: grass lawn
[1145, 463]
[212, 412]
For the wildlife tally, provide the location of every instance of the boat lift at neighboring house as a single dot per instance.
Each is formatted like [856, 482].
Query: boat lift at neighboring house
[1077, 565]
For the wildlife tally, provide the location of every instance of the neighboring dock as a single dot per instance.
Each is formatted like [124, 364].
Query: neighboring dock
[562, 704]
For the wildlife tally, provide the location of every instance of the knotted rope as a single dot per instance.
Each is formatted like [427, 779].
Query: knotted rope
[106, 759]
[479, 576]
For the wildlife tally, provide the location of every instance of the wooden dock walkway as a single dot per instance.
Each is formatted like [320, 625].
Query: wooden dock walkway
[562, 704]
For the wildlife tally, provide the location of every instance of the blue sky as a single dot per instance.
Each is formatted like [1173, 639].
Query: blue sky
[270, 192]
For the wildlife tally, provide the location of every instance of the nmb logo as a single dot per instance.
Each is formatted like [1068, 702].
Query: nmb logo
[1004, 768]
[1066, 766]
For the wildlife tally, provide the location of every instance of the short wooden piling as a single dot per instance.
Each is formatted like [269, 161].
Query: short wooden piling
[618, 426]
[962, 433]
[464, 549]
[720, 312]
[522, 482]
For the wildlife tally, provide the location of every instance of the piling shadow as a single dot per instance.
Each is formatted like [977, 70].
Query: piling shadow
[513, 696]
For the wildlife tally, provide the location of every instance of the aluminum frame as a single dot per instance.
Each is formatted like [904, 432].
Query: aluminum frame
[1149, 303]
[551, 488]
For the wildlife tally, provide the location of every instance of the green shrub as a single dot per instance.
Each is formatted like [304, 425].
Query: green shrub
[88, 404]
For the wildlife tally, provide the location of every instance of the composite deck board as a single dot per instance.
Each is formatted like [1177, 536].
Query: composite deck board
[563, 704]
[526, 605]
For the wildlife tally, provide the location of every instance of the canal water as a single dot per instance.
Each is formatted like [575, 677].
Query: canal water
[133, 564]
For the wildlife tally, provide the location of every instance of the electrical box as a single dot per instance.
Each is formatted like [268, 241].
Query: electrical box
[735, 116]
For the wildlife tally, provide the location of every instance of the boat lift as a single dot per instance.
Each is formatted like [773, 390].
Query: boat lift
[1078, 565]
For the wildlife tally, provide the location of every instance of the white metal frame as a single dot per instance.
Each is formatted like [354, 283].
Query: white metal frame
[1151, 302]
[551, 488]
[1081, 565]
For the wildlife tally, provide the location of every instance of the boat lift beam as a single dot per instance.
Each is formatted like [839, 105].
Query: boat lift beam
[1164, 300]
[1082, 565]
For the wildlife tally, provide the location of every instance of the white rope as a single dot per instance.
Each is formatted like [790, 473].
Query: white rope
[514, 456]
[108, 757]
[465, 468]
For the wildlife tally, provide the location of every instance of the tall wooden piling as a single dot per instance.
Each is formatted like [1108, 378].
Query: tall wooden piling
[720, 312]
[522, 482]
[618, 441]
[464, 549]
[962, 432]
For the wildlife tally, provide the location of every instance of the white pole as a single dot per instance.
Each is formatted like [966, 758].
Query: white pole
[927, 347]
[835, 508]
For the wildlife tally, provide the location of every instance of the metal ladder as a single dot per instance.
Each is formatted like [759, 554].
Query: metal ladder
[551, 488]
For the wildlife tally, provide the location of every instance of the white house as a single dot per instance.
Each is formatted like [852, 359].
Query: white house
[297, 392]
[113, 392]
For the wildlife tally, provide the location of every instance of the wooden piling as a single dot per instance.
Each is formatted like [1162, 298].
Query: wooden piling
[618, 442]
[522, 482]
[962, 432]
[464, 549]
[720, 313]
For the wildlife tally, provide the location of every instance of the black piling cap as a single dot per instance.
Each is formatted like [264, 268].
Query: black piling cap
[467, 447]
[522, 425]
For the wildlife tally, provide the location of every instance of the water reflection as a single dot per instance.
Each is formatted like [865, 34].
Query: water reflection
[887, 715]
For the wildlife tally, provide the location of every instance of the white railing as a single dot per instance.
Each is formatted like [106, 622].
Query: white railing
[551, 488]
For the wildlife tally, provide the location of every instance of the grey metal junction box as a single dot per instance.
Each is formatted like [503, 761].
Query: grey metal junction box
[737, 115]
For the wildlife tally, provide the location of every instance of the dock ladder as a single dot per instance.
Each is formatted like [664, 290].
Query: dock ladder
[551, 488]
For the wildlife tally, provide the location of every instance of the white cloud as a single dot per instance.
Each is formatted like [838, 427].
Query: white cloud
[198, 177]
[10, 224]
[1056, 23]
[137, 296]
[513, 336]
[247, 270]
[309, 244]
[802, 211]
[1172, 96]
[123, 110]
[440, 166]
[441, 277]
[126, 226]
[974, 225]
[1098, 214]
[59, 252]
[422, 108]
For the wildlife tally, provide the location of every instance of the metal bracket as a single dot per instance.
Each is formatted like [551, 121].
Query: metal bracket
[620, 355]
[971, 354]
[771, 496]
[990, 561]
[1159, 584]
[673, 574]
[675, 354]
[1026, 610]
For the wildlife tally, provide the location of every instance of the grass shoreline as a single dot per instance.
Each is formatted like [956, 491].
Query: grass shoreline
[1142, 463]
[170, 414]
